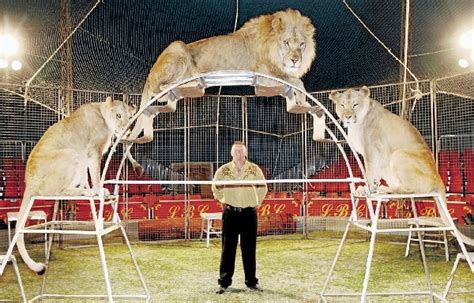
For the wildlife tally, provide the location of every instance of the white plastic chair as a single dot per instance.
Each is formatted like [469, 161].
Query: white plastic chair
[437, 237]
[207, 220]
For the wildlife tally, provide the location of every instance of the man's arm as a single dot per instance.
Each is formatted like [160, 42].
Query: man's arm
[261, 189]
[218, 190]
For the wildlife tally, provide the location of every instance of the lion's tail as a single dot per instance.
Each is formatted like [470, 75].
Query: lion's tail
[465, 239]
[39, 268]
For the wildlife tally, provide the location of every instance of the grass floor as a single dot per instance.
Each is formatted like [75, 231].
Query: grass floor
[290, 269]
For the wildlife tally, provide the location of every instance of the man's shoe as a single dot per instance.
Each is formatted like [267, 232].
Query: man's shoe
[221, 290]
[255, 288]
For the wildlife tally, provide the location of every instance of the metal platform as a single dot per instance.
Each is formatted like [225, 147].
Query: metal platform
[264, 87]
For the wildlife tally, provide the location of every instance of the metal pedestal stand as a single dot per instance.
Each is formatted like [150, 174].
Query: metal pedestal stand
[374, 229]
[98, 228]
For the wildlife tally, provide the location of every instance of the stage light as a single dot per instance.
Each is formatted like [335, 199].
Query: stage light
[467, 39]
[8, 45]
[16, 65]
[3, 63]
[463, 63]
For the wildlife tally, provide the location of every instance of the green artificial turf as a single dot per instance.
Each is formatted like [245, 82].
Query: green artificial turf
[290, 269]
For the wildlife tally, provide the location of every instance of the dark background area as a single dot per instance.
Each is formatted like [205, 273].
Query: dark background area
[119, 41]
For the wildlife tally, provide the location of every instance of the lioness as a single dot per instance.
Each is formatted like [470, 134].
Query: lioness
[67, 151]
[281, 45]
[392, 147]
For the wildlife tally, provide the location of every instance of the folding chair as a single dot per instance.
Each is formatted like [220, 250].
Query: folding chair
[459, 257]
[208, 228]
[437, 237]
[11, 259]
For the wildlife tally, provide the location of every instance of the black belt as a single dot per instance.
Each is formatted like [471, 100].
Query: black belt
[238, 209]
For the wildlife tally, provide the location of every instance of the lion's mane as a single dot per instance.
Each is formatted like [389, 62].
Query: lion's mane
[280, 45]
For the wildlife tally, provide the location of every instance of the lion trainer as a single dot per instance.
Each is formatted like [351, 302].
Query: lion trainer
[280, 45]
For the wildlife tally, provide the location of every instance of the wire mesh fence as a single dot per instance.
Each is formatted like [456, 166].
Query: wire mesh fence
[191, 143]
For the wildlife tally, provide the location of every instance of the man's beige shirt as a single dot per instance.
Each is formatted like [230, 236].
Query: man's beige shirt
[239, 195]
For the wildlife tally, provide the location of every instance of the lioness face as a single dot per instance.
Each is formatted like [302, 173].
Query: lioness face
[351, 105]
[118, 115]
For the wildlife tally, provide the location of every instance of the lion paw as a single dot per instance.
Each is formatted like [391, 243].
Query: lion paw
[300, 99]
[96, 191]
[361, 191]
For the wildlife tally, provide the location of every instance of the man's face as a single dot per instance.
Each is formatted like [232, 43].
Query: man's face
[239, 154]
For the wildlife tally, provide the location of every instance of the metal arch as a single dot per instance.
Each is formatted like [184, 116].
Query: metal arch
[236, 78]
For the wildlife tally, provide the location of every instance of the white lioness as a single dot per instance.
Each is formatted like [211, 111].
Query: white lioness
[67, 151]
[392, 147]
[281, 45]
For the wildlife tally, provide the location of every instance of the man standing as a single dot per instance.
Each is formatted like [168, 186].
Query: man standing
[239, 216]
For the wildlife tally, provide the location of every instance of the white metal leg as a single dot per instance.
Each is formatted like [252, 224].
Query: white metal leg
[443, 210]
[459, 257]
[99, 231]
[333, 265]
[50, 246]
[16, 271]
[372, 227]
[451, 276]
[135, 263]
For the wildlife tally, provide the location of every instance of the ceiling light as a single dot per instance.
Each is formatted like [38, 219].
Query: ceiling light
[8, 45]
[16, 65]
[467, 39]
[463, 63]
[3, 63]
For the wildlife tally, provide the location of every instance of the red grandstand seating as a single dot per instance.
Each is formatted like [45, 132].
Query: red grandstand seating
[155, 188]
[468, 159]
[316, 186]
[165, 197]
[281, 195]
[180, 197]
[455, 181]
[134, 189]
[195, 196]
[11, 189]
[334, 187]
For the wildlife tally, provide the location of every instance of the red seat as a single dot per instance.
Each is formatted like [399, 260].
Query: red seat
[165, 197]
[195, 197]
[155, 188]
[134, 189]
[470, 182]
[180, 197]
[334, 187]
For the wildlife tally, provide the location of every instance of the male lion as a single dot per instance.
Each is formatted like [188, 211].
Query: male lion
[67, 151]
[392, 147]
[281, 45]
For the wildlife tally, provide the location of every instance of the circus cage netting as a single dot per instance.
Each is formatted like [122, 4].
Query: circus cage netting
[311, 176]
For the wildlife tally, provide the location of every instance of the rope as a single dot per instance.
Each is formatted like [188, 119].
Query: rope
[57, 49]
[380, 41]
[236, 14]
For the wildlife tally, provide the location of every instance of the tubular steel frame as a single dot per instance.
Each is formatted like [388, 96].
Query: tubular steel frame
[233, 78]
[236, 78]
[100, 229]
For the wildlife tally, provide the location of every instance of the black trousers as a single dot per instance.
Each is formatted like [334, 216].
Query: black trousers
[235, 222]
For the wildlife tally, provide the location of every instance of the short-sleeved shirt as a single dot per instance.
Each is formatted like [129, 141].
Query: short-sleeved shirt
[239, 195]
